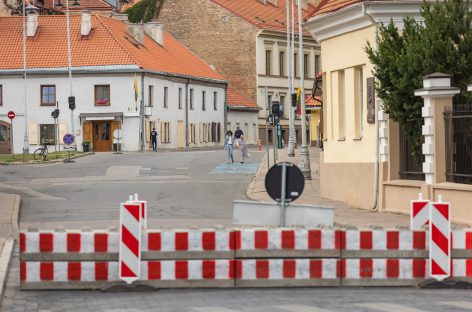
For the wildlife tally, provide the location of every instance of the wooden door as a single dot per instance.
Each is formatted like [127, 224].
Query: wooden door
[180, 134]
[5, 138]
[102, 136]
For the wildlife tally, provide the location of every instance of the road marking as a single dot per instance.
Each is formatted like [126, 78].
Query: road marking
[214, 309]
[302, 308]
[458, 304]
[181, 168]
[389, 307]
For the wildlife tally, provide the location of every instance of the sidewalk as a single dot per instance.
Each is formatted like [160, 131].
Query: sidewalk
[9, 209]
[345, 215]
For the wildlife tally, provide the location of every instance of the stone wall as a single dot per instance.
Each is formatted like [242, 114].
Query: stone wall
[219, 37]
[6, 7]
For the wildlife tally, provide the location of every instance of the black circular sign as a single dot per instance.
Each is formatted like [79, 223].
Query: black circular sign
[295, 182]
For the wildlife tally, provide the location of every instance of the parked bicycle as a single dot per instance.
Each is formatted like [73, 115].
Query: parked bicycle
[42, 152]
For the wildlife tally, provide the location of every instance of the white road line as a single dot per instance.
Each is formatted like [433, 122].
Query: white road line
[459, 304]
[214, 309]
[389, 307]
[301, 308]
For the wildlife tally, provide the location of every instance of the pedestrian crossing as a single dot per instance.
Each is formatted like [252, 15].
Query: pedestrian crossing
[235, 168]
[368, 307]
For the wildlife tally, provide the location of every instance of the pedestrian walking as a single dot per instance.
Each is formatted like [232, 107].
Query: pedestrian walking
[154, 139]
[229, 141]
[242, 145]
[238, 133]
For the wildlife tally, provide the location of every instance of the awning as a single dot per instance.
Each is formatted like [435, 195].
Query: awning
[101, 116]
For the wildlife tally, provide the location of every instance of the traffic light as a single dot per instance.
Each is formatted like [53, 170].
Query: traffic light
[276, 108]
[276, 120]
[55, 113]
[294, 100]
[71, 102]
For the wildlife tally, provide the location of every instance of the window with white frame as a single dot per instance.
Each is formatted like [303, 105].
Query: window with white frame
[203, 100]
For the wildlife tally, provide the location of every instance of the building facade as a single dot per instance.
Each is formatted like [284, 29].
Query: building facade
[246, 42]
[146, 80]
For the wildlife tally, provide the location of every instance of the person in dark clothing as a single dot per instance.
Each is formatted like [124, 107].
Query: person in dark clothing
[238, 133]
[154, 139]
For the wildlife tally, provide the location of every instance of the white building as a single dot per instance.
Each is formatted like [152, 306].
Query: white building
[124, 76]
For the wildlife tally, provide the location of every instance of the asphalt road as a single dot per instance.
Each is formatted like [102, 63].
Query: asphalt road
[183, 188]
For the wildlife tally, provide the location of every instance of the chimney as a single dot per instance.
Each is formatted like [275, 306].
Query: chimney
[32, 25]
[136, 31]
[273, 2]
[86, 25]
[155, 31]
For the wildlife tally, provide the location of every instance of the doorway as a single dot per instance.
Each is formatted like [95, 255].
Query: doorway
[5, 138]
[180, 134]
[102, 141]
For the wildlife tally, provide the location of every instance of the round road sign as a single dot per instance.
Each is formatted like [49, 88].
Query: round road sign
[295, 182]
[117, 134]
[11, 114]
[68, 139]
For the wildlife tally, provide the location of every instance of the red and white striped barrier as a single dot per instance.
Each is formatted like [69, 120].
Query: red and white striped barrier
[135, 200]
[440, 240]
[419, 213]
[130, 242]
[462, 240]
[310, 242]
[287, 272]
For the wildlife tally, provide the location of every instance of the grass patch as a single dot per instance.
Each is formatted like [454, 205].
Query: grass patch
[9, 158]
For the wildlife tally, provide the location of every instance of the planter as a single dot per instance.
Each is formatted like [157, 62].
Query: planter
[86, 148]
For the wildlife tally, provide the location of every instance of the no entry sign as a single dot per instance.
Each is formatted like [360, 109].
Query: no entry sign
[11, 114]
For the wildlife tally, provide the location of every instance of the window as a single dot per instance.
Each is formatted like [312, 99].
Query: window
[205, 136]
[306, 64]
[203, 100]
[215, 100]
[191, 98]
[180, 98]
[48, 95]
[165, 96]
[165, 132]
[358, 98]
[282, 63]
[269, 98]
[282, 104]
[268, 61]
[1, 95]
[295, 55]
[47, 134]
[341, 106]
[102, 95]
[151, 96]
[192, 133]
[317, 64]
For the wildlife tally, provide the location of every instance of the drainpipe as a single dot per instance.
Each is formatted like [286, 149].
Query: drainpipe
[376, 169]
[142, 115]
[226, 111]
[186, 112]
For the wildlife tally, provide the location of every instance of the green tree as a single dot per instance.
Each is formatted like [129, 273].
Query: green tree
[144, 11]
[442, 42]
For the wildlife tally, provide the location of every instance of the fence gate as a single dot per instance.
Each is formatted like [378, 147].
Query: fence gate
[5, 138]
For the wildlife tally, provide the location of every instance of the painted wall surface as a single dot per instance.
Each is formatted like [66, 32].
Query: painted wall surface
[314, 120]
[247, 121]
[122, 101]
[346, 54]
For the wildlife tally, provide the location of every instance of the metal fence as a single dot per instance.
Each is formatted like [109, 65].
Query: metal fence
[458, 130]
[411, 164]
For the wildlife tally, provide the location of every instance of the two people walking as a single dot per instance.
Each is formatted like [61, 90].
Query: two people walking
[236, 141]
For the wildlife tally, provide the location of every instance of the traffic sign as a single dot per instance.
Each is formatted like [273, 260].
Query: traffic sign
[117, 134]
[68, 139]
[294, 181]
[11, 114]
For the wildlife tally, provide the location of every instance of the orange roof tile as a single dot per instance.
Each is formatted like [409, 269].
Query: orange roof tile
[129, 4]
[108, 44]
[312, 102]
[95, 5]
[264, 16]
[328, 6]
[237, 100]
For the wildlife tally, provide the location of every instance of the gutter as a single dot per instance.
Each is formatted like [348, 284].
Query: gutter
[142, 115]
[187, 144]
[377, 164]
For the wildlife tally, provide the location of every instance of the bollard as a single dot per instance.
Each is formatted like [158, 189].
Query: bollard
[259, 146]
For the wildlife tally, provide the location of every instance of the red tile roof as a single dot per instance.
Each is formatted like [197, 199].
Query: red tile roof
[237, 100]
[264, 16]
[108, 44]
[328, 6]
[93, 5]
[311, 102]
[129, 4]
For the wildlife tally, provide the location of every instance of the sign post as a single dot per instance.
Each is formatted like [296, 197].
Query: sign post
[68, 139]
[11, 116]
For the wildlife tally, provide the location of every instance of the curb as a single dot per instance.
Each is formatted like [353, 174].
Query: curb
[5, 260]
[37, 162]
[251, 186]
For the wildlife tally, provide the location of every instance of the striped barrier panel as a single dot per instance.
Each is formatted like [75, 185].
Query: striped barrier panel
[130, 242]
[288, 243]
[440, 240]
[105, 274]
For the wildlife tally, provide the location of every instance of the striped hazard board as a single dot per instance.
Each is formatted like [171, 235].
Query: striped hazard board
[130, 242]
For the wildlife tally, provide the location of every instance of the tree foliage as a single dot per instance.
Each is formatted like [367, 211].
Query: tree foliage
[442, 42]
[143, 11]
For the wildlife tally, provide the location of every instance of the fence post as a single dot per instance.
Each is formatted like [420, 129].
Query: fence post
[437, 94]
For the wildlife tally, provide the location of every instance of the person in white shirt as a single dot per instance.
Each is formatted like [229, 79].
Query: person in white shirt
[229, 141]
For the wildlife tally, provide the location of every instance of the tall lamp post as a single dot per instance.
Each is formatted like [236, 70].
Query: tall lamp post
[304, 153]
[69, 65]
[291, 143]
[293, 61]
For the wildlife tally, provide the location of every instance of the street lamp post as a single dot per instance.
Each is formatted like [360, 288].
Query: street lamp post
[25, 138]
[304, 153]
[291, 143]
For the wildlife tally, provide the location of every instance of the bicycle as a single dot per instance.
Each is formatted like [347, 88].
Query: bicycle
[41, 152]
